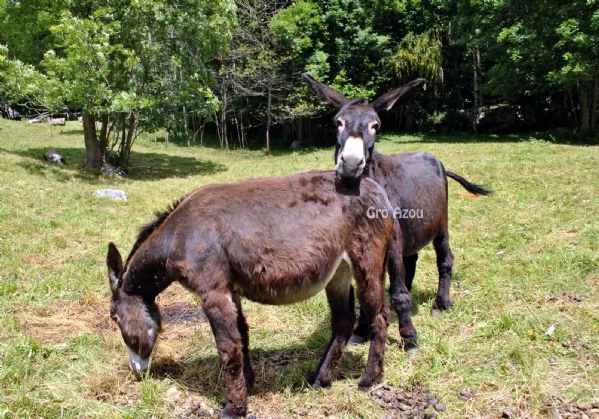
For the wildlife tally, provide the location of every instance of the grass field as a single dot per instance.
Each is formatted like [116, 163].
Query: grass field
[523, 333]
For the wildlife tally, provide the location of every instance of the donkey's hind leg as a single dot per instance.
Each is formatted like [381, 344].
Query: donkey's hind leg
[372, 301]
[362, 331]
[242, 325]
[224, 320]
[445, 267]
[409, 263]
[340, 296]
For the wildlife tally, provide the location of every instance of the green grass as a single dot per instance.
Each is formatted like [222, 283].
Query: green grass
[526, 259]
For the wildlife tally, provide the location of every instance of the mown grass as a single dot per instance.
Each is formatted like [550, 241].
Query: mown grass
[526, 262]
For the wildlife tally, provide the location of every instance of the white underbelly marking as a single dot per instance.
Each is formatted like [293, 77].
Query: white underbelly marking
[342, 257]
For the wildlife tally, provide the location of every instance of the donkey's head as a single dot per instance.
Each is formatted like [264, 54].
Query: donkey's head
[357, 123]
[137, 317]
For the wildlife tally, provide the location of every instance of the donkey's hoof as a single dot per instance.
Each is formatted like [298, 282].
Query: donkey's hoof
[366, 383]
[441, 305]
[232, 411]
[319, 384]
[316, 382]
[409, 343]
[411, 353]
[356, 340]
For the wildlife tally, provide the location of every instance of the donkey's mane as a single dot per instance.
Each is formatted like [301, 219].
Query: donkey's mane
[356, 101]
[147, 229]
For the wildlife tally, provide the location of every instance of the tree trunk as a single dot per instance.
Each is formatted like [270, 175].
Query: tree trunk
[94, 154]
[224, 141]
[584, 117]
[594, 123]
[132, 127]
[475, 88]
[268, 119]
[104, 132]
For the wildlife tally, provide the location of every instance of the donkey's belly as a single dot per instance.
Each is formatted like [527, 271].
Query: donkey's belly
[292, 287]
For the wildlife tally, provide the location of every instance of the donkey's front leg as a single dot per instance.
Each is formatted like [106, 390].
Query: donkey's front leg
[340, 295]
[224, 321]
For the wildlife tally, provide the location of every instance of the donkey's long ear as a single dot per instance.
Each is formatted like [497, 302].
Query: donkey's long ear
[325, 93]
[114, 262]
[400, 95]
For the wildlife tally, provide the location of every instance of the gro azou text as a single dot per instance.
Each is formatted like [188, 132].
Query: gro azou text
[397, 213]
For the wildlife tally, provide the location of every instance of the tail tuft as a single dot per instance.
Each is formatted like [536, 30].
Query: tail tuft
[470, 187]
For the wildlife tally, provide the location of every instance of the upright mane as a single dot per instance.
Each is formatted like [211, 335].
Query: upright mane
[146, 230]
[356, 101]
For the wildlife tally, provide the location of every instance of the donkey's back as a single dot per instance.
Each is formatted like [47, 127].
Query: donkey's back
[274, 240]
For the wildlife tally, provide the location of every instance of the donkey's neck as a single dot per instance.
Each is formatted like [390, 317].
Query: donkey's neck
[147, 275]
[372, 169]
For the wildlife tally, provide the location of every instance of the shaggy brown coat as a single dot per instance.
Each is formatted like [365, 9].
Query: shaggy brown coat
[275, 240]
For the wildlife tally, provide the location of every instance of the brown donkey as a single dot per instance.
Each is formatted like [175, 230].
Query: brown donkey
[416, 184]
[276, 240]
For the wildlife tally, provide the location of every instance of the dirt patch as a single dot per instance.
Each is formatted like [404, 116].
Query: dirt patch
[182, 313]
[35, 260]
[559, 300]
[561, 409]
[281, 359]
[593, 281]
[403, 402]
[67, 319]
[564, 297]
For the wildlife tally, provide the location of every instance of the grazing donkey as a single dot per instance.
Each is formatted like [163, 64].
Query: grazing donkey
[274, 240]
[416, 184]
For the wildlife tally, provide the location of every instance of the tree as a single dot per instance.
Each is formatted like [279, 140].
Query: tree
[252, 77]
[529, 51]
[127, 64]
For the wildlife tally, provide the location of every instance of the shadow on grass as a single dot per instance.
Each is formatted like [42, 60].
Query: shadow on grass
[278, 147]
[275, 369]
[144, 166]
[472, 138]
[422, 298]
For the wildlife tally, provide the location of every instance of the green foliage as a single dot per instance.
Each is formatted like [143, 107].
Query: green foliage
[143, 61]
[419, 56]
[24, 83]
[81, 62]
[171, 64]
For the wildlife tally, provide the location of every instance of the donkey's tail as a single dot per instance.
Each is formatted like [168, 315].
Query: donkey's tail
[470, 187]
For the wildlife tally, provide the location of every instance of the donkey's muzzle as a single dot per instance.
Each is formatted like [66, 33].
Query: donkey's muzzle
[352, 159]
[138, 364]
[350, 168]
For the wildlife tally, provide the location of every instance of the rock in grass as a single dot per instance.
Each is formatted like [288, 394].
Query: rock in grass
[116, 194]
[109, 170]
[54, 157]
[508, 413]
